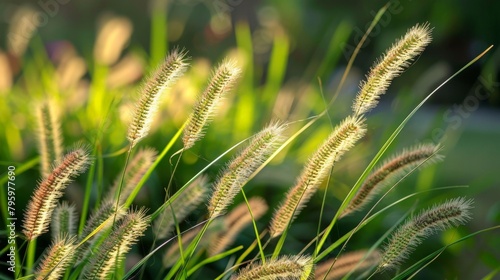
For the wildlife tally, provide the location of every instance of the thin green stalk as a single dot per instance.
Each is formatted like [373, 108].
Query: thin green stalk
[257, 235]
[151, 253]
[86, 196]
[120, 186]
[30, 260]
[213, 259]
[100, 174]
[189, 251]
[375, 21]
[96, 152]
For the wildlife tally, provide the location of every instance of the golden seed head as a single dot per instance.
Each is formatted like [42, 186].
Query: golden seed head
[391, 65]
[173, 67]
[293, 267]
[45, 198]
[238, 171]
[317, 168]
[392, 170]
[221, 82]
[407, 237]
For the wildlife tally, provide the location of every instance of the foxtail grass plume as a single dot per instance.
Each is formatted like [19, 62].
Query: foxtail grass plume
[124, 234]
[44, 200]
[357, 261]
[391, 65]
[138, 166]
[63, 220]
[294, 267]
[182, 206]
[238, 171]
[49, 136]
[56, 259]
[317, 168]
[221, 82]
[235, 221]
[392, 170]
[407, 237]
[173, 67]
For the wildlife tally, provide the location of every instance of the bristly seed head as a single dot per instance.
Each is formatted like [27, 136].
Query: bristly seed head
[294, 267]
[173, 67]
[223, 79]
[451, 213]
[238, 171]
[391, 171]
[64, 220]
[391, 65]
[343, 138]
[49, 136]
[56, 259]
[44, 200]
[117, 244]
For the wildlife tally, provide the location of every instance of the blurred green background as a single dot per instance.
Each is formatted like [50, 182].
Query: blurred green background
[285, 47]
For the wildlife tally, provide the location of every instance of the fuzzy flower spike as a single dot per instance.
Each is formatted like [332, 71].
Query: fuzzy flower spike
[44, 200]
[173, 67]
[222, 81]
[391, 65]
[449, 214]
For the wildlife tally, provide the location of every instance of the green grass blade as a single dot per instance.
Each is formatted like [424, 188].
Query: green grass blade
[213, 259]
